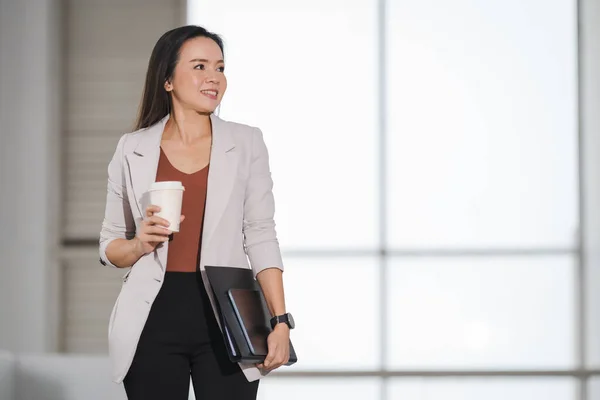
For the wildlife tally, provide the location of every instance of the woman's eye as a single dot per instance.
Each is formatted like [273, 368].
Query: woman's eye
[221, 69]
[199, 66]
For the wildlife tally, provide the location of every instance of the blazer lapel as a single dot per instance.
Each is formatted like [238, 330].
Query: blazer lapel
[143, 164]
[221, 177]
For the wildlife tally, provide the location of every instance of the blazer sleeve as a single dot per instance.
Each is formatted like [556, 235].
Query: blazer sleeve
[118, 220]
[260, 237]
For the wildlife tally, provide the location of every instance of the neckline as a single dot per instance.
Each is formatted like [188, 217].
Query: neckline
[177, 169]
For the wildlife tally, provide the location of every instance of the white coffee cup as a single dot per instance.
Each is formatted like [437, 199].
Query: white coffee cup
[169, 197]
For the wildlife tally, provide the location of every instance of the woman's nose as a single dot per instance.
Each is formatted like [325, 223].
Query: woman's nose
[212, 78]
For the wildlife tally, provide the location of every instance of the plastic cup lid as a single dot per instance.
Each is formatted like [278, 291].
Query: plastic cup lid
[169, 185]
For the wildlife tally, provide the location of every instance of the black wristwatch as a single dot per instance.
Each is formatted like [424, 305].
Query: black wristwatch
[285, 318]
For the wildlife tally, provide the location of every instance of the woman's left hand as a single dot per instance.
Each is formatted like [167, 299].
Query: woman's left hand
[278, 343]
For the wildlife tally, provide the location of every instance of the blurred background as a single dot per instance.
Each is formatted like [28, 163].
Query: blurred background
[437, 181]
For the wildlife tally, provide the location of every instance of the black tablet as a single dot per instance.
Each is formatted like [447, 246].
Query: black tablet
[249, 310]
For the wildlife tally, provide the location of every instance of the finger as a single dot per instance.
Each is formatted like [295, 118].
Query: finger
[281, 358]
[279, 361]
[182, 218]
[153, 239]
[156, 220]
[270, 358]
[273, 367]
[151, 209]
[156, 230]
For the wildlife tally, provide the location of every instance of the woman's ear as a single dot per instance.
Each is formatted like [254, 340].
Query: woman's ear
[168, 86]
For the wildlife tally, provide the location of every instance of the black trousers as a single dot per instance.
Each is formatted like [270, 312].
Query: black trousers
[181, 339]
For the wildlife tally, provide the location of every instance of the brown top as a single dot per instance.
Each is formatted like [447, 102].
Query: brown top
[184, 248]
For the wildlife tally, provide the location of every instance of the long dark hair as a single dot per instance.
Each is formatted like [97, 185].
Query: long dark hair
[156, 101]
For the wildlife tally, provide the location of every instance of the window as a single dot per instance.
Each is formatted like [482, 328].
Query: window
[482, 111]
[489, 389]
[306, 74]
[424, 155]
[340, 388]
[335, 303]
[489, 313]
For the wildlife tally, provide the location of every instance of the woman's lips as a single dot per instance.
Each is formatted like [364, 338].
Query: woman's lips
[211, 94]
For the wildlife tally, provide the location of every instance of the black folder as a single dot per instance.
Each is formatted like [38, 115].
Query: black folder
[243, 312]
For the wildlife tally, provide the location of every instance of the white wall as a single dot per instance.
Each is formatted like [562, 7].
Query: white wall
[29, 143]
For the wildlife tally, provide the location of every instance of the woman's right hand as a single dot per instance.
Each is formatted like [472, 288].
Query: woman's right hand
[153, 231]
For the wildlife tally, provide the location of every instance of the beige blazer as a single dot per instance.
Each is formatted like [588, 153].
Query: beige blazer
[239, 229]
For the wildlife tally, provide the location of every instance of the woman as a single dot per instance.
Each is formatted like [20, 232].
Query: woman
[163, 327]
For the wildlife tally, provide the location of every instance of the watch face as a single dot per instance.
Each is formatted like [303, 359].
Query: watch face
[291, 321]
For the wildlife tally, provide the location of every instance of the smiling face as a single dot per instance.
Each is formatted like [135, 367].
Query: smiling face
[198, 82]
